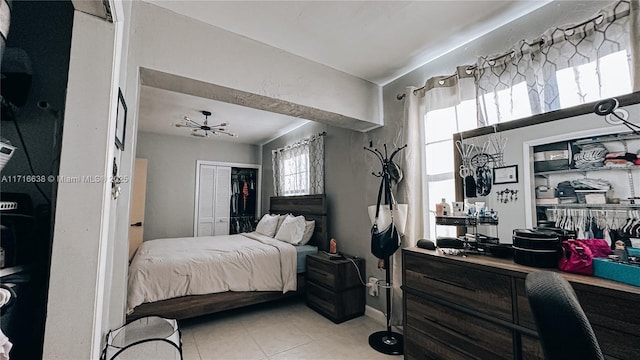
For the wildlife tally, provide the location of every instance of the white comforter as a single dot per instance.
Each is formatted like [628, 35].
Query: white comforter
[168, 268]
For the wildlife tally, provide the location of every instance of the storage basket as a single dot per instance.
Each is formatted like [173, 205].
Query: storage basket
[147, 338]
[594, 196]
[608, 269]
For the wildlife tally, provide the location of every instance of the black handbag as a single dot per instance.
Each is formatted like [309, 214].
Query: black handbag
[384, 242]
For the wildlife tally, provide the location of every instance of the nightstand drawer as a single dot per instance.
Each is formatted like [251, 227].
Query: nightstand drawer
[335, 275]
[321, 274]
[468, 334]
[484, 291]
[337, 306]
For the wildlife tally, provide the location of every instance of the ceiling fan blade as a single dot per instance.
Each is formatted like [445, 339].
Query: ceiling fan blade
[190, 122]
[228, 133]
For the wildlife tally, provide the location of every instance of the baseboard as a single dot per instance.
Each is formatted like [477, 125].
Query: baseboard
[375, 314]
[379, 317]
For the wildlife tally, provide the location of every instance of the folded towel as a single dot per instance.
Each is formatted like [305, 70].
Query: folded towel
[5, 346]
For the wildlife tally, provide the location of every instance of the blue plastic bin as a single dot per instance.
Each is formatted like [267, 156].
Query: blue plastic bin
[608, 269]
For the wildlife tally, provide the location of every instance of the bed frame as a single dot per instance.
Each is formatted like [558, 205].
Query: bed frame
[313, 207]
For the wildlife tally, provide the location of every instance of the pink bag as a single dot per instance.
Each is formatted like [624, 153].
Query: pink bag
[599, 248]
[577, 255]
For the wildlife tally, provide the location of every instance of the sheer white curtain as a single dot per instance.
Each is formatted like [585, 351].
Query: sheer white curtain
[566, 66]
[298, 169]
[443, 92]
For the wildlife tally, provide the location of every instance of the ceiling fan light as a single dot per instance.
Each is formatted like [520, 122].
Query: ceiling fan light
[204, 130]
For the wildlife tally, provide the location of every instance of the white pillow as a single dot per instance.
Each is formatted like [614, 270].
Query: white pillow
[292, 229]
[308, 231]
[267, 225]
[280, 221]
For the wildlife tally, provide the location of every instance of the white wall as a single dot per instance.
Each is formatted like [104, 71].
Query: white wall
[75, 309]
[199, 51]
[171, 178]
[119, 217]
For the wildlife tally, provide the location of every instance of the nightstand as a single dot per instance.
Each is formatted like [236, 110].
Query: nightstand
[333, 287]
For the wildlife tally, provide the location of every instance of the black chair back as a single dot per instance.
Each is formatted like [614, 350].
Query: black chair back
[563, 327]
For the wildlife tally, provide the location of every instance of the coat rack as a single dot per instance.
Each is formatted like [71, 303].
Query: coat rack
[387, 341]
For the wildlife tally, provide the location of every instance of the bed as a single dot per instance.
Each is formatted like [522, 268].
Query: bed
[312, 207]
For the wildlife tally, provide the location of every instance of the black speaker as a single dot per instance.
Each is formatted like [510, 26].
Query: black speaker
[426, 244]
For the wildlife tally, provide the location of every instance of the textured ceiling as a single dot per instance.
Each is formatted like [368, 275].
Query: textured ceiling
[374, 40]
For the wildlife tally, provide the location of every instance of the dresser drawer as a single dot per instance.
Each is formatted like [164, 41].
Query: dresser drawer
[525, 317]
[421, 346]
[531, 348]
[467, 334]
[613, 324]
[483, 291]
[614, 321]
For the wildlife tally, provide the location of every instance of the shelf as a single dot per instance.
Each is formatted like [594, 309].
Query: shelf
[608, 138]
[465, 221]
[570, 171]
[594, 206]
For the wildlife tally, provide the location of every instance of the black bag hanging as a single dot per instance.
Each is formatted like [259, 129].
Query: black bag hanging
[470, 186]
[384, 242]
[483, 183]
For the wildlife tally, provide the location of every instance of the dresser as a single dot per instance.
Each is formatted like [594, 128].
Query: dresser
[475, 307]
[333, 287]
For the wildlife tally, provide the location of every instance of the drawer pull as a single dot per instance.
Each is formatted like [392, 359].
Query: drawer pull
[453, 330]
[453, 283]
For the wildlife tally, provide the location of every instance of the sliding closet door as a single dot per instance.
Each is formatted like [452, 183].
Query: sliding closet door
[214, 191]
[222, 198]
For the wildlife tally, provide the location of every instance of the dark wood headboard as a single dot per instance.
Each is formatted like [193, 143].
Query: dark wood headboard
[312, 207]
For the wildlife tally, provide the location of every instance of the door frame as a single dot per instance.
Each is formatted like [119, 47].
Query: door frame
[199, 163]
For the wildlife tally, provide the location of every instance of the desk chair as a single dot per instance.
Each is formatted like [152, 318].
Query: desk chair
[564, 330]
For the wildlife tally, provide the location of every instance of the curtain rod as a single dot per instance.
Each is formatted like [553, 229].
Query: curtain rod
[297, 143]
[510, 52]
[441, 81]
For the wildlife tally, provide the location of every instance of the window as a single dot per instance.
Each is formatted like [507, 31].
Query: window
[508, 104]
[296, 174]
[582, 84]
[440, 125]
[565, 66]
[298, 169]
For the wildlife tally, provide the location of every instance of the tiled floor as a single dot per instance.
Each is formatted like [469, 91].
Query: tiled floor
[281, 330]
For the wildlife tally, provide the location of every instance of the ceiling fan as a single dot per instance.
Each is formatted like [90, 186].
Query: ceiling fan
[204, 129]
